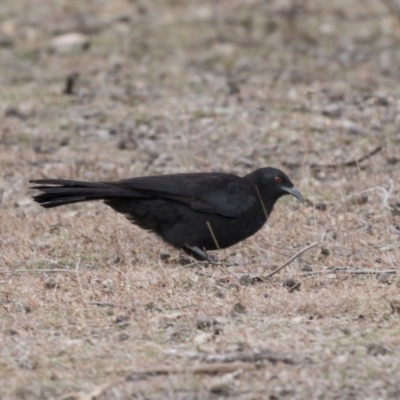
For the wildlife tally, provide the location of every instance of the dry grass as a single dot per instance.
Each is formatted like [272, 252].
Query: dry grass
[176, 86]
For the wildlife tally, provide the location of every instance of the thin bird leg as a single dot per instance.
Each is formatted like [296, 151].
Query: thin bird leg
[199, 254]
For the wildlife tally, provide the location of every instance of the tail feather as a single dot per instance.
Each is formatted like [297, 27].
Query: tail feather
[59, 192]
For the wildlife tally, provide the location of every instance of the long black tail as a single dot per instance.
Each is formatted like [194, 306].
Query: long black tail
[58, 192]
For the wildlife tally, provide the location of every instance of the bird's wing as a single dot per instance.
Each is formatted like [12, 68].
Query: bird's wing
[214, 193]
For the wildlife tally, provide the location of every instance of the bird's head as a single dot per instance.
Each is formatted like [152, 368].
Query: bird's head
[272, 184]
[281, 183]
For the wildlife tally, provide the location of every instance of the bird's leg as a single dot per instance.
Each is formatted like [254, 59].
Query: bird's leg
[199, 254]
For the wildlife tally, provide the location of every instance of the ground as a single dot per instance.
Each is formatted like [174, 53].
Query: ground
[94, 307]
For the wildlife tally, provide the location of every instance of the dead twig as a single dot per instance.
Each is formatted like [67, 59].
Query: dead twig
[386, 193]
[351, 163]
[350, 271]
[93, 394]
[355, 162]
[106, 304]
[213, 364]
[208, 369]
[299, 253]
[265, 354]
[34, 271]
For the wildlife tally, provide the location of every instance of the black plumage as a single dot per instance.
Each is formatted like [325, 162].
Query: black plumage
[194, 212]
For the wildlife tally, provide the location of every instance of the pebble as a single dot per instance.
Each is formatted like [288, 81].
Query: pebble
[69, 43]
[245, 280]
[320, 206]
[332, 110]
[238, 308]
[107, 285]
[123, 336]
[203, 323]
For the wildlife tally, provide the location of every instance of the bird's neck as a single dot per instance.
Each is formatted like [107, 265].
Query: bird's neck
[267, 200]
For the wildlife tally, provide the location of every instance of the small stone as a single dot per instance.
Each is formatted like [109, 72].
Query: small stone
[107, 285]
[121, 318]
[376, 349]
[331, 234]
[123, 324]
[115, 260]
[395, 208]
[291, 285]
[70, 83]
[203, 323]
[351, 127]
[64, 141]
[54, 376]
[306, 268]
[96, 333]
[245, 280]
[69, 43]
[203, 338]
[233, 286]
[165, 257]
[325, 251]
[331, 276]
[184, 260]
[221, 390]
[103, 134]
[320, 206]
[382, 100]
[238, 308]
[20, 111]
[123, 336]
[359, 200]
[376, 124]
[107, 166]
[383, 277]
[50, 283]
[236, 347]
[395, 305]
[332, 110]
[338, 90]
[150, 306]
[122, 144]
[5, 41]
[219, 294]
[23, 202]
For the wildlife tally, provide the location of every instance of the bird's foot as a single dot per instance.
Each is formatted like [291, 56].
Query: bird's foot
[199, 254]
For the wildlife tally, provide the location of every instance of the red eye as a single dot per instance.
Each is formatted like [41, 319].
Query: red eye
[278, 179]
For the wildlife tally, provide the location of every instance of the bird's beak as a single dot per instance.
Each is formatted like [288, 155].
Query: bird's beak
[294, 192]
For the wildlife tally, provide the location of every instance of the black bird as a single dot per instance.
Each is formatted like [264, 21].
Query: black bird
[194, 212]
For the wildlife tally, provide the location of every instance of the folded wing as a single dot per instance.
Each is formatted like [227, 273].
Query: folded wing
[217, 193]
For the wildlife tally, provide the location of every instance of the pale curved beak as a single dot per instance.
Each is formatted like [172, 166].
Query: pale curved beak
[294, 192]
